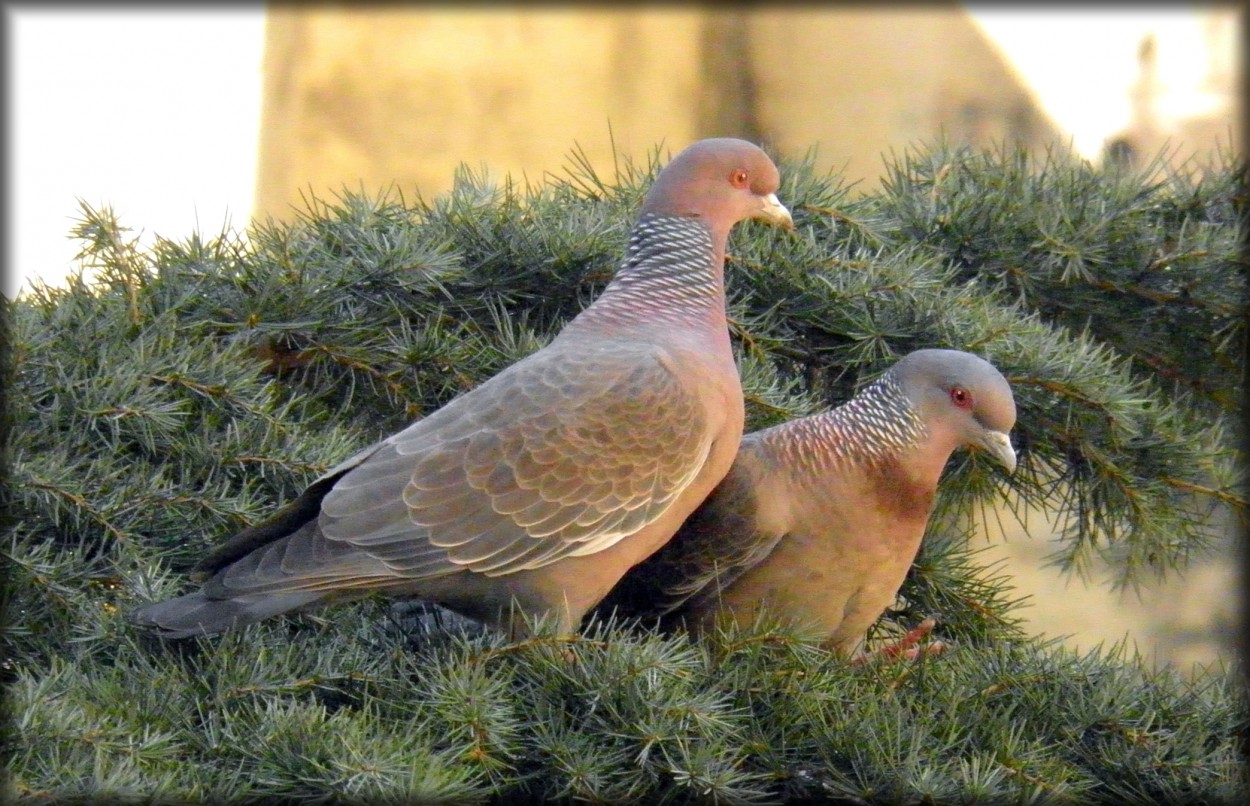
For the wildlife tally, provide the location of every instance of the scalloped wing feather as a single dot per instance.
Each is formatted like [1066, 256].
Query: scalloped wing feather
[563, 454]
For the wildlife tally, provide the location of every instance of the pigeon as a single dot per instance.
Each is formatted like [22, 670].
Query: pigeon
[530, 495]
[820, 517]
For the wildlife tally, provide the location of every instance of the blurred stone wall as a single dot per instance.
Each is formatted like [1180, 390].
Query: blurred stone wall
[393, 94]
[1188, 620]
[1207, 120]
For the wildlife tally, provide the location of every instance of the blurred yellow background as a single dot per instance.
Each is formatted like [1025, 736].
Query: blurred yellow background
[198, 119]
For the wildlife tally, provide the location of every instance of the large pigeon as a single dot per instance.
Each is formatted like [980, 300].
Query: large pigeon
[533, 493]
[820, 517]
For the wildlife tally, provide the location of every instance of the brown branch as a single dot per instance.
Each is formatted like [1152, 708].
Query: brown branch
[1190, 487]
[79, 502]
[245, 459]
[1058, 389]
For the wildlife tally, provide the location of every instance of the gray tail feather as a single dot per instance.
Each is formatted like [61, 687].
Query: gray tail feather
[196, 614]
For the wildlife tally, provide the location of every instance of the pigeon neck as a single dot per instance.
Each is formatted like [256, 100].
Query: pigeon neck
[672, 274]
[875, 426]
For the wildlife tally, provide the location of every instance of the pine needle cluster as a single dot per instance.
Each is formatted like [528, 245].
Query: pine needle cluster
[189, 388]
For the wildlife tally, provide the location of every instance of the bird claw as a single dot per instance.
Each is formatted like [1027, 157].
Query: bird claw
[908, 647]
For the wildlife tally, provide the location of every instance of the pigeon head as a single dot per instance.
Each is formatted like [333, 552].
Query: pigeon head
[720, 181]
[963, 399]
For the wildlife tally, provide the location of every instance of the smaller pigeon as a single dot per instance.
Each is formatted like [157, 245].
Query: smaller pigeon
[819, 518]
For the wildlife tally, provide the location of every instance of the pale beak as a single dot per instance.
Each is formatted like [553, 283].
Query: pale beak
[998, 445]
[775, 213]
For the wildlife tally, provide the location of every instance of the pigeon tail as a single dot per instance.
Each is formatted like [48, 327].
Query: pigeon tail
[196, 614]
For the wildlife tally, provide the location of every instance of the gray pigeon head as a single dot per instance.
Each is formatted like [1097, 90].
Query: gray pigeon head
[961, 397]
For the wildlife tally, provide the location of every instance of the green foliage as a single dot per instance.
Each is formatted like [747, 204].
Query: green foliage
[342, 712]
[191, 387]
[1149, 261]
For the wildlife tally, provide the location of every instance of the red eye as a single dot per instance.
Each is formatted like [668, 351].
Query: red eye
[739, 178]
[961, 397]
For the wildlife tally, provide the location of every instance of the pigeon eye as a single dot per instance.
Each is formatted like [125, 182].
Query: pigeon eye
[961, 397]
[739, 178]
